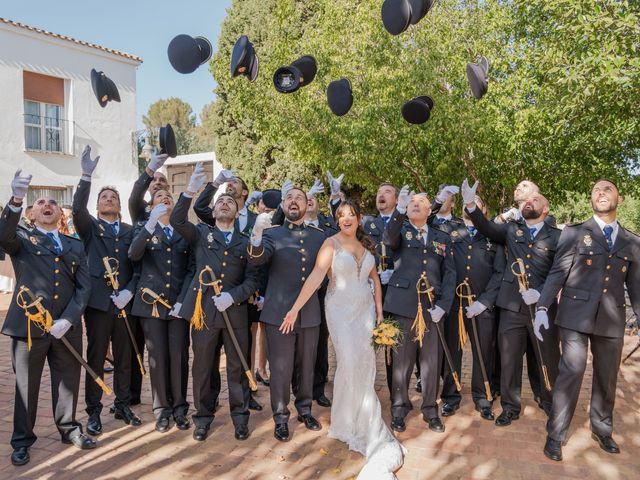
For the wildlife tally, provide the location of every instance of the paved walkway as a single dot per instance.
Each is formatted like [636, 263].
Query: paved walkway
[471, 448]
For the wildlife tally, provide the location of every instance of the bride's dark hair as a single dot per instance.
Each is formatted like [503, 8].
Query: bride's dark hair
[366, 241]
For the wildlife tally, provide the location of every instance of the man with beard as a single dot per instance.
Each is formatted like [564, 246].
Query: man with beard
[534, 242]
[54, 267]
[290, 252]
[106, 236]
[595, 260]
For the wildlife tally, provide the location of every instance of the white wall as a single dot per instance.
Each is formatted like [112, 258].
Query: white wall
[108, 130]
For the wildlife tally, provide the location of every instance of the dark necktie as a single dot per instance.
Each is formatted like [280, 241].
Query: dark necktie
[227, 237]
[167, 232]
[114, 228]
[608, 231]
[441, 221]
[472, 230]
[56, 245]
[532, 232]
[385, 220]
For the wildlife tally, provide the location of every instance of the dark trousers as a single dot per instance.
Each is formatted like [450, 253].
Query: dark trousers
[495, 358]
[296, 349]
[321, 371]
[514, 329]
[533, 369]
[204, 343]
[136, 375]
[606, 353]
[65, 383]
[168, 345]
[485, 325]
[102, 328]
[404, 359]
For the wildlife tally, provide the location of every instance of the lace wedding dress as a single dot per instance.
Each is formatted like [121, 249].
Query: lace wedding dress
[356, 417]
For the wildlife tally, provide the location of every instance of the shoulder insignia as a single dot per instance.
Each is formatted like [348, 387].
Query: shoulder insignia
[315, 228]
[408, 236]
[519, 233]
[588, 241]
[154, 240]
[272, 226]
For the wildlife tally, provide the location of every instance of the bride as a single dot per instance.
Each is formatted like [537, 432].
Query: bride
[351, 310]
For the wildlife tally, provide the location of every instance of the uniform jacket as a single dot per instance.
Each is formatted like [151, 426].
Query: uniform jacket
[138, 207]
[61, 280]
[592, 280]
[203, 209]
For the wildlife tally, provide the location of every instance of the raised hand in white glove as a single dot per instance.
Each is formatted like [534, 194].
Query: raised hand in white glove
[446, 192]
[469, 194]
[175, 311]
[512, 214]
[263, 221]
[198, 178]
[335, 184]
[157, 161]
[436, 313]
[86, 164]
[316, 189]
[60, 327]
[121, 299]
[475, 309]
[385, 276]
[20, 184]
[404, 197]
[155, 214]
[541, 320]
[286, 188]
[223, 301]
[530, 296]
[254, 197]
[259, 303]
[225, 176]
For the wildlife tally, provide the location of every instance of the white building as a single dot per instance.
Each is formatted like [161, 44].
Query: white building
[49, 113]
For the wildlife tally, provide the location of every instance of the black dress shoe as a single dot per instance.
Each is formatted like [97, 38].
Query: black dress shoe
[398, 425]
[485, 412]
[253, 405]
[262, 380]
[607, 443]
[94, 425]
[323, 401]
[553, 449]
[81, 441]
[126, 414]
[449, 409]
[436, 424]
[310, 422]
[163, 424]
[20, 456]
[242, 432]
[419, 386]
[506, 417]
[182, 422]
[200, 433]
[281, 432]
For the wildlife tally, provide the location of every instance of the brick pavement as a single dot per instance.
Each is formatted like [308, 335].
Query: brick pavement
[471, 448]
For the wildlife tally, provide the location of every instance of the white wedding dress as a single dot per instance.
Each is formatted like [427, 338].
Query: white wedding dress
[356, 417]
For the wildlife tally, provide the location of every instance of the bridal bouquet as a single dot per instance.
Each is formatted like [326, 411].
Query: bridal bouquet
[388, 335]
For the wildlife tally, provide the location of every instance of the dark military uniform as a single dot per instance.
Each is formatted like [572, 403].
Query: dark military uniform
[102, 316]
[481, 263]
[229, 263]
[415, 256]
[290, 252]
[592, 310]
[62, 281]
[166, 267]
[515, 316]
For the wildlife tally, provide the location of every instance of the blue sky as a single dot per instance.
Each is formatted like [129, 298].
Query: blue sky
[140, 27]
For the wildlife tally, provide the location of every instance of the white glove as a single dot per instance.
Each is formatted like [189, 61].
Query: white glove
[335, 184]
[254, 197]
[225, 176]
[385, 275]
[60, 327]
[475, 309]
[121, 300]
[158, 211]
[86, 164]
[436, 313]
[175, 311]
[223, 301]
[404, 197]
[316, 189]
[468, 193]
[259, 303]
[157, 161]
[20, 185]
[198, 178]
[541, 320]
[263, 221]
[446, 192]
[512, 214]
[286, 187]
[530, 296]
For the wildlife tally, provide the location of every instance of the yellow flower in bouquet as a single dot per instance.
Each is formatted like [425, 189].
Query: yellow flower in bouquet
[386, 334]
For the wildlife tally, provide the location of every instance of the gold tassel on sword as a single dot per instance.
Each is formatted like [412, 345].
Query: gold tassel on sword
[155, 299]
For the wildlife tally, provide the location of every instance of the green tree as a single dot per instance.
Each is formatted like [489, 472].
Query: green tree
[180, 115]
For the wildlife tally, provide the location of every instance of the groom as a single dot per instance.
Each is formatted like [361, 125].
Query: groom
[290, 250]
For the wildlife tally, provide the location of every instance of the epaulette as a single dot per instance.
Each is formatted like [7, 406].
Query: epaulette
[315, 228]
[577, 224]
[71, 237]
[272, 226]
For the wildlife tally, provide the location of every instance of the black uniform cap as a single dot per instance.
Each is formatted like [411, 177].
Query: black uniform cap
[168, 141]
[187, 53]
[103, 88]
[340, 96]
[418, 109]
